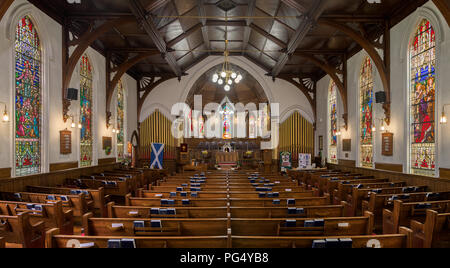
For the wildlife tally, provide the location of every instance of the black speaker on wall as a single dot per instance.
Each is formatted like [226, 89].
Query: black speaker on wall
[72, 94]
[380, 97]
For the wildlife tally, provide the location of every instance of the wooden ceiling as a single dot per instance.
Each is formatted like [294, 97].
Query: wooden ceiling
[274, 34]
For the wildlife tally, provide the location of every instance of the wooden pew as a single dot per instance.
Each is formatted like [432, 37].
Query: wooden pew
[156, 202]
[52, 215]
[328, 185]
[19, 230]
[378, 202]
[208, 202]
[403, 213]
[250, 188]
[402, 240]
[54, 240]
[112, 187]
[224, 194]
[180, 212]
[169, 227]
[98, 197]
[345, 187]
[281, 202]
[277, 227]
[358, 195]
[434, 233]
[277, 212]
[2, 242]
[77, 203]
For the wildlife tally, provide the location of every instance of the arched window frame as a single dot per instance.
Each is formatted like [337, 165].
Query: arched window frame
[40, 167]
[433, 160]
[90, 78]
[121, 121]
[333, 128]
[366, 82]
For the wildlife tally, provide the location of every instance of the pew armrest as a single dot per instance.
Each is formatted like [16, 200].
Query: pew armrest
[388, 222]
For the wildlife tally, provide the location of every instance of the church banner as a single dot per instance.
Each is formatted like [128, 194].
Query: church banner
[285, 161]
[157, 156]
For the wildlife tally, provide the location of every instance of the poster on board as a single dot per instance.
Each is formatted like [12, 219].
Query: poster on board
[304, 161]
[285, 161]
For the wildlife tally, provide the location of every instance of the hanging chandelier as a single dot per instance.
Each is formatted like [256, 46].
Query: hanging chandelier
[226, 77]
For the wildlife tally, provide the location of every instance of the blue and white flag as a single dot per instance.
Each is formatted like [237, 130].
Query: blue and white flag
[157, 156]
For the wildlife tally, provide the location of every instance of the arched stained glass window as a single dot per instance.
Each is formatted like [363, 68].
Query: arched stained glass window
[86, 140]
[227, 121]
[333, 124]
[120, 121]
[422, 100]
[28, 97]
[366, 113]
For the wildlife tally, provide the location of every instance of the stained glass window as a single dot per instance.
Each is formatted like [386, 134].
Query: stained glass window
[86, 140]
[227, 122]
[27, 99]
[366, 113]
[252, 126]
[332, 106]
[201, 127]
[422, 100]
[120, 121]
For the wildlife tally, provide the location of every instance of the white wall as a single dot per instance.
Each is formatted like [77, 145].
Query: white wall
[50, 33]
[400, 37]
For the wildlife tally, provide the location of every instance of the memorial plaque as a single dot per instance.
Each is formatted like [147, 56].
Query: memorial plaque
[65, 140]
[347, 145]
[387, 148]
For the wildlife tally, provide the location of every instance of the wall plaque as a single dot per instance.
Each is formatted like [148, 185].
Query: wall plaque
[387, 147]
[347, 145]
[65, 139]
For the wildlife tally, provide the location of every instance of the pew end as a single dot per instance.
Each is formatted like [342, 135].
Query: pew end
[409, 236]
[348, 211]
[49, 237]
[85, 221]
[388, 222]
[110, 210]
[371, 225]
[127, 199]
[2, 242]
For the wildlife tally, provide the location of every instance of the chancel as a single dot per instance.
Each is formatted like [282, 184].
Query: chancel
[224, 124]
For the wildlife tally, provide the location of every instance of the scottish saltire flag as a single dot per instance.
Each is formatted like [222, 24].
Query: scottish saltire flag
[157, 156]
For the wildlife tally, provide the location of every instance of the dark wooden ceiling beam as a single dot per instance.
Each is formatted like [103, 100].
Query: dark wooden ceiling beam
[444, 7]
[272, 38]
[223, 23]
[308, 22]
[142, 16]
[353, 18]
[4, 5]
[185, 35]
[369, 47]
[294, 4]
[156, 4]
[202, 13]
[88, 15]
[321, 51]
[120, 71]
[277, 20]
[86, 40]
[248, 29]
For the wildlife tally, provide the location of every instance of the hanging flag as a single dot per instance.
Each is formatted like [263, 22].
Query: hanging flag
[157, 156]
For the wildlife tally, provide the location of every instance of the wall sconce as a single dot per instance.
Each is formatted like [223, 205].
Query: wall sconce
[5, 116]
[443, 119]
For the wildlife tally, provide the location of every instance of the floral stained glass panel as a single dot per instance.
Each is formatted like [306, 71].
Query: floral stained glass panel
[422, 100]
[27, 99]
[332, 106]
[120, 121]
[86, 139]
[366, 114]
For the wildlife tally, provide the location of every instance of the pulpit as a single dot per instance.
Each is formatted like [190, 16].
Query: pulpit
[227, 160]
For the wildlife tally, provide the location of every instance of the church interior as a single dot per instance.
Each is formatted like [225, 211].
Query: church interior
[224, 124]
